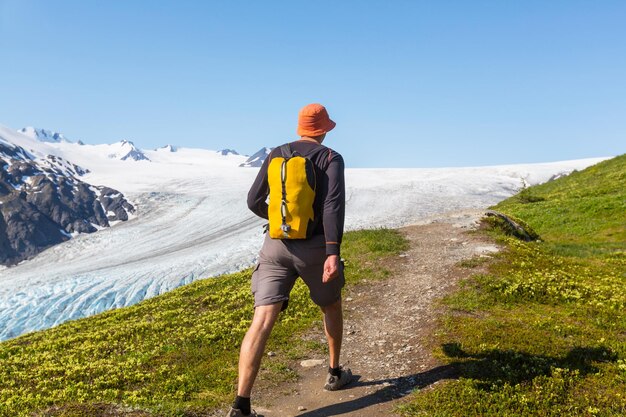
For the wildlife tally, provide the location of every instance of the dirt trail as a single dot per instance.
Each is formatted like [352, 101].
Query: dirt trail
[389, 328]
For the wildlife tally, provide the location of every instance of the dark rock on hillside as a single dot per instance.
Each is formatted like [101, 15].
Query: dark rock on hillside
[42, 204]
[512, 226]
[57, 163]
[115, 204]
[25, 230]
[13, 152]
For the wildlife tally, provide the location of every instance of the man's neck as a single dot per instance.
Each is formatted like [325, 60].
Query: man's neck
[310, 139]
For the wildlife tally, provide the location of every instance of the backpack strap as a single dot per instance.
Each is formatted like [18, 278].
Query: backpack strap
[285, 151]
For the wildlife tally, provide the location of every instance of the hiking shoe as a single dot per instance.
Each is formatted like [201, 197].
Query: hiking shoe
[333, 383]
[235, 412]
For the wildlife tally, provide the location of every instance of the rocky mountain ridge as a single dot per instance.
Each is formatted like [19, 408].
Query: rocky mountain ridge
[43, 202]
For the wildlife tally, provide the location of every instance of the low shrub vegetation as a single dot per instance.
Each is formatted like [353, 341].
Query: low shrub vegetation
[171, 355]
[546, 329]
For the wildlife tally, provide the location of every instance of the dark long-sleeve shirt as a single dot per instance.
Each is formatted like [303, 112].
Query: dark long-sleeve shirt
[330, 195]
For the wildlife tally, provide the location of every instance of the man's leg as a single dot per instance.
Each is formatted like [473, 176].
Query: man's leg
[253, 346]
[333, 327]
[337, 376]
[310, 256]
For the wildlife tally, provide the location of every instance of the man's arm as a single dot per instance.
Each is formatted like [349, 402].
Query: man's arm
[259, 191]
[334, 205]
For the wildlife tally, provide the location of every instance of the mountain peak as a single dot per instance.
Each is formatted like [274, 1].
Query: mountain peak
[125, 149]
[228, 152]
[256, 160]
[43, 135]
[167, 148]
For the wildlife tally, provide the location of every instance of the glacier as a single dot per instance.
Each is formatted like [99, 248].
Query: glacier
[192, 223]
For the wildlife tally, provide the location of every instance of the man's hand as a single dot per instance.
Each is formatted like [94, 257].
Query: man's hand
[331, 268]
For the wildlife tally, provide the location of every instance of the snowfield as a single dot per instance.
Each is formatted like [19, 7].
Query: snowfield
[192, 222]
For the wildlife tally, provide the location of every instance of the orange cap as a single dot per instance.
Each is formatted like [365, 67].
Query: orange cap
[313, 120]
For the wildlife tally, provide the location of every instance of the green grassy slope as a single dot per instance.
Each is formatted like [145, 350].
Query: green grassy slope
[585, 211]
[544, 332]
[175, 354]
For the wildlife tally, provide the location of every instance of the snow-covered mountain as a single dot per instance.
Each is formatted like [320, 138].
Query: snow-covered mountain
[42, 200]
[43, 135]
[126, 150]
[256, 160]
[192, 222]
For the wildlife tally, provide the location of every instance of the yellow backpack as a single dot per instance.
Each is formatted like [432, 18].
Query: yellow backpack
[291, 179]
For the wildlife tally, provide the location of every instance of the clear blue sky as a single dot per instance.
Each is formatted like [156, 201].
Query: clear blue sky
[409, 83]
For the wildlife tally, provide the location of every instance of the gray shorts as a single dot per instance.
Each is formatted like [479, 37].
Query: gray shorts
[281, 262]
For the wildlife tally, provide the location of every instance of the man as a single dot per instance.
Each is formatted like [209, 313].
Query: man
[315, 259]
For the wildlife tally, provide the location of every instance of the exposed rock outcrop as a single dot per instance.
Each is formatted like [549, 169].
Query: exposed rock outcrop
[42, 203]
